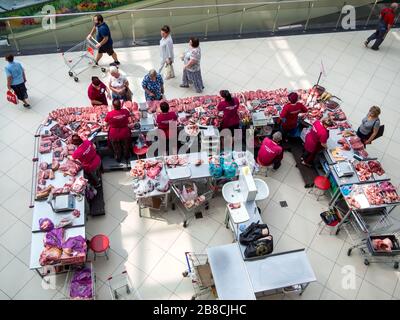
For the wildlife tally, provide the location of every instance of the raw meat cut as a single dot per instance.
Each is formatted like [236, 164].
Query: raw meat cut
[70, 168]
[376, 167]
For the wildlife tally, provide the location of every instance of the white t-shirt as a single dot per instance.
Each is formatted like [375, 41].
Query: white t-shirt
[117, 83]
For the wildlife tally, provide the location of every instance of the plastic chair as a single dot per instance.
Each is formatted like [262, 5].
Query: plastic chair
[140, 151]
[100, 244]
[321, 184]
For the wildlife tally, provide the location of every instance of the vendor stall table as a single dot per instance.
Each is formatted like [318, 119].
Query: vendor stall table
[236, 279]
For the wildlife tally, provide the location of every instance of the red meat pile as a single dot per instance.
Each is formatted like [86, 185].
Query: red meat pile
[363, 171]
[373, 194]
[389, 192]
[356, 143]
[376, 167]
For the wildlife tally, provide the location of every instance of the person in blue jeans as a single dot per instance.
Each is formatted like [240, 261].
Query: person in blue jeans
[16, 79]
[386, 21]
[103, 37]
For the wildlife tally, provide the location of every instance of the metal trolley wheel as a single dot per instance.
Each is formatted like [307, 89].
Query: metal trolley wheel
[103, 70]
[396, 265]
[76, 79]
[71, 74]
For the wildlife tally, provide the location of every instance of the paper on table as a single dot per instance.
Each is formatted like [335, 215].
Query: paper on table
[362, 200]
[209, 132]
[239, 215]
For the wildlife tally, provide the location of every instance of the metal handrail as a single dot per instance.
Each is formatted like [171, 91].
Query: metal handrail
[160, 9]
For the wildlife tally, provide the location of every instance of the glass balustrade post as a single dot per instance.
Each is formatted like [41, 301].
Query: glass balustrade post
[241, 22]
[276, 19]
[208, 18]
[13, 37]
[133, 30]
[310, 7]
[370, 14]
[340, 16]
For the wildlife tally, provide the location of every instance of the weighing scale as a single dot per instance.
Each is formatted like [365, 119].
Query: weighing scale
[62, 203]
[343, 169]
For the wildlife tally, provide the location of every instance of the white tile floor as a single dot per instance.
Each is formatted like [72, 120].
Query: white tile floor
[152, 251]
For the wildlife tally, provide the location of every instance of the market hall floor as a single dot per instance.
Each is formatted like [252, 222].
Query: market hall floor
[153, 251]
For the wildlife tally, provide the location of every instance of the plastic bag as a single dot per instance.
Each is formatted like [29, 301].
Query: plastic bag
[189, 192]
[54, 238]
[11, 97]
[81, 284]
[163, 183]
[74, 244]
[169, 71]
[45, 224]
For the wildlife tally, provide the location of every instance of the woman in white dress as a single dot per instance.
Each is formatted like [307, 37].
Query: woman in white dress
[166, 50]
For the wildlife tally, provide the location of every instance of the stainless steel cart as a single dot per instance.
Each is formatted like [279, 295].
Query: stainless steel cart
[121, 287]
[199, 271]
[81, 57]
[204, 189]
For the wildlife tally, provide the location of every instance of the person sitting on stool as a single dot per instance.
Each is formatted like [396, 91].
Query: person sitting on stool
[271, 153]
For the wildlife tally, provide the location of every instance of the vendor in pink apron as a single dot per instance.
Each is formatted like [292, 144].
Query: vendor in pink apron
[315, 140]
[271, 153]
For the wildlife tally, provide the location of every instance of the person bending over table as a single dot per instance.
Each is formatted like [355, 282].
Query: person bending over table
[86, 154]
[153, 86]
[290, 115]
[229, 108]
[97, 92]
[163, 121]
[369, 126]
[316, 140]
[119, 133]
[271, 153]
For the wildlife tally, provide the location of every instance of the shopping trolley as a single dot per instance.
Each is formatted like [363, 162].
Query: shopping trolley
[371, 255]
[193, 208]
[121, 287]
[81, 57]
[80, 283]
[199, 271]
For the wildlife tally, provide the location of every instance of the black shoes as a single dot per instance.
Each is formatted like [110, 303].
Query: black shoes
[184, 86]
[115, 64]
[375, 49]
[27, 105]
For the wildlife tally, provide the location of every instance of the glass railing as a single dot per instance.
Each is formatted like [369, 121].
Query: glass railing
[208, 19]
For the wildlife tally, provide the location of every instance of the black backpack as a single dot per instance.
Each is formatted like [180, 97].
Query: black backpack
[260, 247]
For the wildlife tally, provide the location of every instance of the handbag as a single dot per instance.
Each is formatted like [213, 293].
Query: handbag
[169, 71]
[380, 132]
[260, 247]
[11, 97]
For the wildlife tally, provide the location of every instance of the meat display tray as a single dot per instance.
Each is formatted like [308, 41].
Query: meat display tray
[374, 177]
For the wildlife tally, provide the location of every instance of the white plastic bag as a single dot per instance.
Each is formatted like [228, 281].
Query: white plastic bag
[189, 195]
[169, 71]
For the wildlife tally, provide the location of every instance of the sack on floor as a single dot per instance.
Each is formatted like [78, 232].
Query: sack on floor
[11, 97]
[260, 247]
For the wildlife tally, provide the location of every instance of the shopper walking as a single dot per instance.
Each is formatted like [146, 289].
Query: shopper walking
[153, 86]
[167, 52]
[16, 79]
[98, 92]
[191, 69]
[119, 133]
[386, 21]
[103, 37]
[119, 85]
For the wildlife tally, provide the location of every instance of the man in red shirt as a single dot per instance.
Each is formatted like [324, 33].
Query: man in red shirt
[290, 114]
[164, 119]
[271, 153]
[386, 21]
[97, 92]
[119, 133]
[88, 157]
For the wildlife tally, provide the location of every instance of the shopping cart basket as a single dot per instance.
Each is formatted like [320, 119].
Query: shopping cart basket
[80, 283]
[121, 287]
[199, 271]
[371, 255]
[81, 57]
[192, 208]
